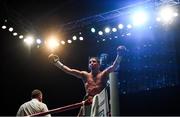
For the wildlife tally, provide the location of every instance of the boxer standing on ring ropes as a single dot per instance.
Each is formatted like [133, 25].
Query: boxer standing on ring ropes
[95, 80]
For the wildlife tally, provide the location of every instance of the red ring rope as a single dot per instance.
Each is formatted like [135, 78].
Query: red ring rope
[61, 109]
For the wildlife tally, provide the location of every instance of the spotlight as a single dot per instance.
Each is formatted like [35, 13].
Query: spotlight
[128, 34]
[69, 41]
[120, 26]
[15, 34]
[4, 27]
[21, 36]
[29, 40]
[74, 37]
[167, 14]
[38, 41]
[115, 37]
[52, 42]
[100, 33]
[129, 26]
[81, 38]
[139, 18]
[114, 29]
[107, 30]
[10, 29]
[63, 42]
[93, 30]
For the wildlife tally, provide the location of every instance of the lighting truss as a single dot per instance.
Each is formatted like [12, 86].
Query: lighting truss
[70, 26]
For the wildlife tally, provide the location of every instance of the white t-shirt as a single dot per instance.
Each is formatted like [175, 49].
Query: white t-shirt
[31, 107]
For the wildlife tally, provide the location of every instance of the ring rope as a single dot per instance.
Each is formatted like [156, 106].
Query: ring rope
[64, 108]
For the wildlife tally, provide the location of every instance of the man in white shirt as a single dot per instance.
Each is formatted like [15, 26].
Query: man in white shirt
[33, 106]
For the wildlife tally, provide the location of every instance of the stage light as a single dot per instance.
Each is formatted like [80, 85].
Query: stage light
[38, 41]
[128, 34]
[15, 34]
[4, 27]
[114, 29]
[115, 37]
[81, 38]
[139, 18]
[74, 37]
[29, 40]
[103, 39]
[120, 26]
[100, 33]
[107, 30]
[129, 26]
[10, 29]
[52, 43]
[21, 36]
[63, 42]
[166, 14]
[93, 30]
[69, 41]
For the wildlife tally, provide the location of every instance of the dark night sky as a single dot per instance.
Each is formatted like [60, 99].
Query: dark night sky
[23, 70]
